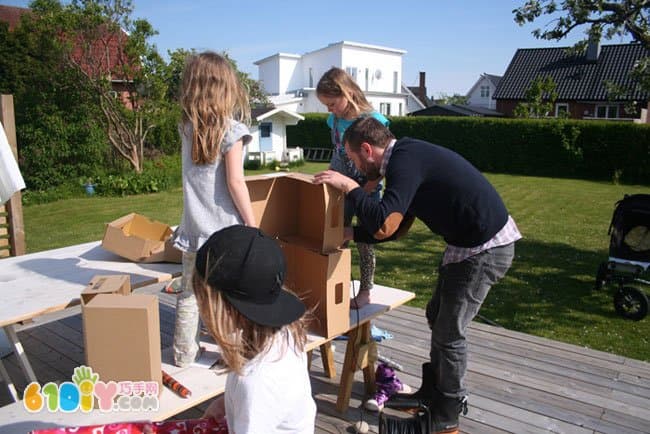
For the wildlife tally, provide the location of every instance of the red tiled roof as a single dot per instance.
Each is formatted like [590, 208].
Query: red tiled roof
[106, 55]
[11, 15]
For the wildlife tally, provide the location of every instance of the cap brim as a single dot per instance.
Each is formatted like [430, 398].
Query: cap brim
[284, 310]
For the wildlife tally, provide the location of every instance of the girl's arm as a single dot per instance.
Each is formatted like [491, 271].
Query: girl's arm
[237, 184]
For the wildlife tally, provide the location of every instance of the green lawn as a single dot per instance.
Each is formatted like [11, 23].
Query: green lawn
[548, 291]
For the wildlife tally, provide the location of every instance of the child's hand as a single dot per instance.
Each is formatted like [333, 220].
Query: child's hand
[216, 410]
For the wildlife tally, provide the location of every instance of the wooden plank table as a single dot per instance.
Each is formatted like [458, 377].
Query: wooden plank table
[51, 280]
[206, 384]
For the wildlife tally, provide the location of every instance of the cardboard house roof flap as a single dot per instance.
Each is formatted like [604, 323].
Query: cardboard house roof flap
[140, 239]
[106, 284]
[291, 206]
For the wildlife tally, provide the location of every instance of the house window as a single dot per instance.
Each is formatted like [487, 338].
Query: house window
[311, 77]
[384, 108]
[395, 82]
[367, 78]
[400, 109]
[352, 71]
[485, 91]
[265, 129]
[607, 111]
[562, 110]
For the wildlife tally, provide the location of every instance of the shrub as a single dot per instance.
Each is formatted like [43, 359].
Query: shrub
[597, 150]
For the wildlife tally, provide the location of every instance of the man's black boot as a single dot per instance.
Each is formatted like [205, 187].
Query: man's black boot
[424, 393]
[445, 413]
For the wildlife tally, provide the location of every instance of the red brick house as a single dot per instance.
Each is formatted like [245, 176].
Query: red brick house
[581, 80]
[104, 58]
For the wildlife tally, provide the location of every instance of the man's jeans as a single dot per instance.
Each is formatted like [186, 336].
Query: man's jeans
[461, 289]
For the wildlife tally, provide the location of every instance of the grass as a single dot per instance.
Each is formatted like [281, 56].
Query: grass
[548, 291]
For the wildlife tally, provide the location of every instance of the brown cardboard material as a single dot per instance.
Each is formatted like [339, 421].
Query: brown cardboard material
[140, 239]
[291, 206]
[122, 337]
[322, 281]
[110, 284]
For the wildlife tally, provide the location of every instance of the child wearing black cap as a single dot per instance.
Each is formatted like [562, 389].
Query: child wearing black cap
[261, 331]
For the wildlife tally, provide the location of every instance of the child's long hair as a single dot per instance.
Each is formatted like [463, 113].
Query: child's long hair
[211, 95]
[239, 338]
[338, 83]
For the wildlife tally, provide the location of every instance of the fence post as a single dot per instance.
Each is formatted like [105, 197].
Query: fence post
[14, 206]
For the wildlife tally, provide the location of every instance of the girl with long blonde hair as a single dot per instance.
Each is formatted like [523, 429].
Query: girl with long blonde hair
[215, 110]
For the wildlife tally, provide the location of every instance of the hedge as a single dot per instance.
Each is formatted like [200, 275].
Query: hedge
[598, 150]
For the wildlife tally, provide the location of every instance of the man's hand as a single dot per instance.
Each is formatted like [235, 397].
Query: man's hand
[336, 180]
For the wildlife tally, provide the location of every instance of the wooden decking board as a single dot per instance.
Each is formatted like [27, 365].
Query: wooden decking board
[554, 406]
[517, 383]
[577, 372]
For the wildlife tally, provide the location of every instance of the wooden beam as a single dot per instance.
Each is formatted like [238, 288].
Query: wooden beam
[14, 206]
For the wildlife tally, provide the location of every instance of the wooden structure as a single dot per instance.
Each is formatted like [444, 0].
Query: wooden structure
[12, 230]
[517, 383]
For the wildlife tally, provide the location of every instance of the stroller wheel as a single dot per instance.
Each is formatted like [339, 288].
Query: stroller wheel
[602, 275]
[631, 303]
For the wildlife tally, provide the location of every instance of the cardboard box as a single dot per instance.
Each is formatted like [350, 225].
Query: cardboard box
[122, 337]
[289, 205]
[322, 281]
[111, 284]
[140, 239]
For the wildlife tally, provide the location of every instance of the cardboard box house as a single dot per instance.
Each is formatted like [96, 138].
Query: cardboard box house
[322, 281]
[122, 337]
[140, 239]
[110, 284]
[307, 219]
[290, 206]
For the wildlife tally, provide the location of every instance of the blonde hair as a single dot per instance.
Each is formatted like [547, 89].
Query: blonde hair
[211, 95]
[239, 338]
[338, 83]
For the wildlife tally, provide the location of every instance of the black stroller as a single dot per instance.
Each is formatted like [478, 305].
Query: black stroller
[629, 256]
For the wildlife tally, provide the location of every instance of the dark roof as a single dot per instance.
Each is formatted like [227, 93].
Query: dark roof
[456, 110]
[576, 77]
[415, 90]
[258, 111]
[495, 79]
[11, 15]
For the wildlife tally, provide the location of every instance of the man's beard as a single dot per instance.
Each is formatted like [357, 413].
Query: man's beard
[370, 171]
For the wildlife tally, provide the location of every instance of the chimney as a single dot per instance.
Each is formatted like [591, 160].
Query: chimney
[422, 89]
[593, 50]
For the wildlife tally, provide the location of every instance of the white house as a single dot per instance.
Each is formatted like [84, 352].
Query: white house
[269, 131]
[290, 79]
[480, 95]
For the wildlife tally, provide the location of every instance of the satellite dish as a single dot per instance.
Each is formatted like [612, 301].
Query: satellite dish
[378, 74]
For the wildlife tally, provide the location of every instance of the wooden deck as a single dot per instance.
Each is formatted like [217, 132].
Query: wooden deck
[517, 383]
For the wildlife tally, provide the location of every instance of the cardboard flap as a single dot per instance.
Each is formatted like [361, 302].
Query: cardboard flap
[291, 206]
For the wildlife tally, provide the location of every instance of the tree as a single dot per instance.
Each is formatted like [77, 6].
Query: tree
[60, 138]
[599, 18]
[540, 99]
[175, 71]
[453, 99]
[104, 46]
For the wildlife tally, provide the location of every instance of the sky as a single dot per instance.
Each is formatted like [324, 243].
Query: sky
[452, 41]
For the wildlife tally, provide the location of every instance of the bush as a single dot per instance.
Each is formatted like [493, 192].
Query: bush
[164, 136]
[159, 174]
[598, 150]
